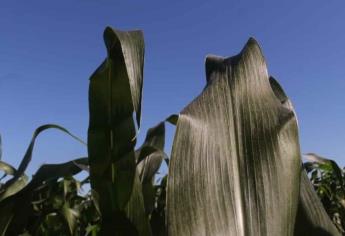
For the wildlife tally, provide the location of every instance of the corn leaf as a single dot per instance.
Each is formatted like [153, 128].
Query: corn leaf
[235, 164]
[16, 209]
[154, 141]
[114, 95]
[312, 218]
[150, 163]
[7, 168]
[70, 216]
[18, 185]
[28, 154]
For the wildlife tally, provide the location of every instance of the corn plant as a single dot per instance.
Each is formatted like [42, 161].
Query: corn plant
[235, 166]
[328, 180]
[26, 207]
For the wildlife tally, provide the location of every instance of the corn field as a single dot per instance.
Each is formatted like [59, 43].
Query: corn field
[235, 167]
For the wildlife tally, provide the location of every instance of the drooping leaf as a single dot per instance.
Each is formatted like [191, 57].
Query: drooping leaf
[114, 95]
[28, 154]
[18, 185]
[53, 171]
[235, 160]
[7, 168]
[15, 209]
[155, 139]
[312, 219]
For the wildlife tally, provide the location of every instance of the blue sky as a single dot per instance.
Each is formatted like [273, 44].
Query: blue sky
[48, 50]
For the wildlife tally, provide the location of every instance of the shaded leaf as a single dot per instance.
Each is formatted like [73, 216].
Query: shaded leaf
[173, 119]
[114, 94]
[135, 209]
[15, 209]
[20, 183]
[129, 46]
[28, 154]
[155, 139]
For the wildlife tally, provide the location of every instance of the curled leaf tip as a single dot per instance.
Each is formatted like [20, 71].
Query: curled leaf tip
[278, 90]
[110, 38]
[213, 63]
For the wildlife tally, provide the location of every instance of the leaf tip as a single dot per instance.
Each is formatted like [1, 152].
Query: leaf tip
[212, 63]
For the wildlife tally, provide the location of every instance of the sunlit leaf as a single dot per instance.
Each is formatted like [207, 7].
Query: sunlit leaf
[235, 161]
[7, 169]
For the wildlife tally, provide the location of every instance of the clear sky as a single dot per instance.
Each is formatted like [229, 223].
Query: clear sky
[48, 49]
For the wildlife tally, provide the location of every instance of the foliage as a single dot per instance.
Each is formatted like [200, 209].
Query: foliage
[235, 167]
[328, 180]
[114, 94]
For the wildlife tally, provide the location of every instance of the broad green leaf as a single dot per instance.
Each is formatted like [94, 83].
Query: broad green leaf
[114, 95]
[130, 47]
[235, 164]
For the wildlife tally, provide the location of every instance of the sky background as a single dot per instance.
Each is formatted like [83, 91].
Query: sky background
[48, 50]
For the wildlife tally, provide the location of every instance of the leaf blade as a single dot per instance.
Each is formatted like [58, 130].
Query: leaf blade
[229, 144]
